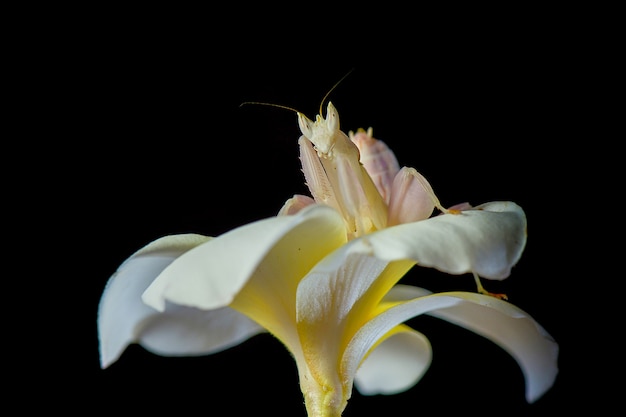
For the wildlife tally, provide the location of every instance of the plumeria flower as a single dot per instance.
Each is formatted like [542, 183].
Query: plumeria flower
[323, 277]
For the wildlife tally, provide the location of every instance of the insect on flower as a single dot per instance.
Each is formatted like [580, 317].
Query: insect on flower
[323, 276]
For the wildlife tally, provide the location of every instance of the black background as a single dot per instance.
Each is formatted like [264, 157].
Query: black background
[155, 142]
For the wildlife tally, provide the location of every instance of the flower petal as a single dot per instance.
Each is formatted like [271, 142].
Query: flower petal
[188, 331]
[324, 302]
[369, 334]
[501, 322]
[488, 240]
[396, 364]
[210, 275]
[121, 311]
[333, 301]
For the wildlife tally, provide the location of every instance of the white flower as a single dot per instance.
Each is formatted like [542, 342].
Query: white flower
[322, 277]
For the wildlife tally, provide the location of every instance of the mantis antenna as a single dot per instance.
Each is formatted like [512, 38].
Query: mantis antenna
[261, 103]
[331, 89]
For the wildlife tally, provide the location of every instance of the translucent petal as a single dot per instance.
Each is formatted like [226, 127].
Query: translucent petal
[396, 364]
[501, 322]
[188, 331]
[488, 239]
[121, 313]
[211, 275]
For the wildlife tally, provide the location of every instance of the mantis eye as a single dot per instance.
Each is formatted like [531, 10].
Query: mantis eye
[332, 118]
[305, 125]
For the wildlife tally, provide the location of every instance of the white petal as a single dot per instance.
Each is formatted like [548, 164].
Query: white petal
[121, 311]
[187, 331]
[395, 365]
[210, 275]
[334, 300]
[374, 329]
[269, 295]
[511, 328]
[324, 302]
[488, 240]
